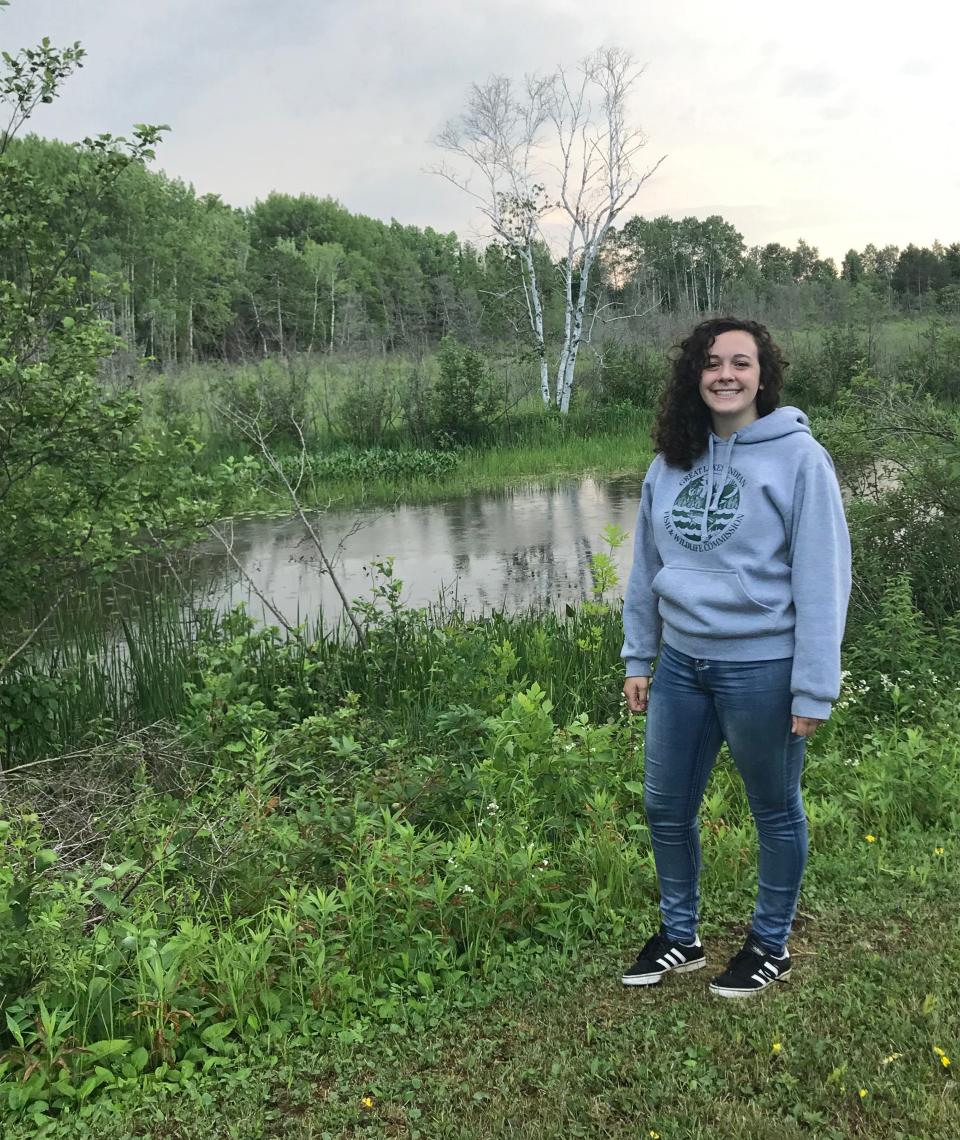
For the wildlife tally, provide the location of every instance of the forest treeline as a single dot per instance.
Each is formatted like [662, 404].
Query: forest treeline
[184, 277]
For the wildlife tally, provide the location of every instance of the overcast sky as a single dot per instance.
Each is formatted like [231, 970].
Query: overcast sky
[832, 120]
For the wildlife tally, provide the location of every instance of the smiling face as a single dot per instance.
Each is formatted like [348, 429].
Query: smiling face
[730, 381]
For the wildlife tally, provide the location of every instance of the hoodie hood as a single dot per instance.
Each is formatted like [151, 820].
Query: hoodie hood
[780, 422]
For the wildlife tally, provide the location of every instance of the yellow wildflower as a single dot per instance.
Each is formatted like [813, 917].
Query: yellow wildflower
[654, 1135]
[945, 1061]
[870, 838]
[862, 1093]
[939, 1052]
[776, 1047]
[367, 1102]
[938, 850]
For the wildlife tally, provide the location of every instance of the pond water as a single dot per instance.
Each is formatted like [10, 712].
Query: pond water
[508, 550]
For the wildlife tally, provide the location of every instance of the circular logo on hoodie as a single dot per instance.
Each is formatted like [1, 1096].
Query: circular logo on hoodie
[694, 523]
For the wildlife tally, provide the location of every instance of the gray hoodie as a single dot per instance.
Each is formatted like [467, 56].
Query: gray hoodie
[746, 557]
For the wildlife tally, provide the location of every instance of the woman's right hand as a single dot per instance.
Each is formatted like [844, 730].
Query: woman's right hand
[637, 692]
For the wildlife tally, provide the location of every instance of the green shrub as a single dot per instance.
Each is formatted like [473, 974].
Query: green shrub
[816, 378]
[275, 395]
[630, 374]
[465, 401]
[933, 366]
[365, 411]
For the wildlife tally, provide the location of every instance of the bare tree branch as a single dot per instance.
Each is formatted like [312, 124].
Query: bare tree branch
[253, 430]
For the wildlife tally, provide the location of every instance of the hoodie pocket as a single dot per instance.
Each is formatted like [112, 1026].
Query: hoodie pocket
[709, 603]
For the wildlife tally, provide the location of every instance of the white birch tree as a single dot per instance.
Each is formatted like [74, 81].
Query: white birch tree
[497, 138]
[598, 179]
[564, 154]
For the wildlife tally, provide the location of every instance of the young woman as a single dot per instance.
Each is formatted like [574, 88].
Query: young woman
[740, 582]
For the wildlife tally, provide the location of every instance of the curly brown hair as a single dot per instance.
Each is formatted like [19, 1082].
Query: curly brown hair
[683, 421]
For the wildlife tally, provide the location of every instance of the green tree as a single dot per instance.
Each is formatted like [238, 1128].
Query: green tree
[71, 488]
[775, 262]
[464, 399]
[852, 269]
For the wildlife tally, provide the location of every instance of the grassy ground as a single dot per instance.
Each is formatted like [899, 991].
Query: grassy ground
[847, 1048]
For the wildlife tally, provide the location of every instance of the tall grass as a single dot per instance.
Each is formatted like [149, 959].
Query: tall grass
[111, 660]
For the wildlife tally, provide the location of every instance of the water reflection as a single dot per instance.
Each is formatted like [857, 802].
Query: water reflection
[521, 547]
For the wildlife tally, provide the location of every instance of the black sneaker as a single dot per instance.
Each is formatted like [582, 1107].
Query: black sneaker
[662, 956]
[751, 971]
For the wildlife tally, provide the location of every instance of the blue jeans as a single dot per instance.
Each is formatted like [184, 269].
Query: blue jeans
[694, 706]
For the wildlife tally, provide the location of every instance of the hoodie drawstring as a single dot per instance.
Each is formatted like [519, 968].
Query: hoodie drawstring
[706, 501]
[709, 504]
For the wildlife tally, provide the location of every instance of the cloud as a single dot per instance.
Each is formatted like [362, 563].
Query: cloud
[918, 68]
[838, 110]
[809, 83]
[758, 116]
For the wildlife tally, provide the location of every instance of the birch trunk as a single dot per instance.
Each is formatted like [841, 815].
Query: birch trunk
[535, 315]
[279, 317]
[316, 305]
[576, 336]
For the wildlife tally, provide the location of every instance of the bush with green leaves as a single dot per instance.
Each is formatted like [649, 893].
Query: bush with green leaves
[816, 376]
[273, 397]
[933, 364]
[630, 374]
[365, 411]
[465, 400]
[899, 454]
[80, 482]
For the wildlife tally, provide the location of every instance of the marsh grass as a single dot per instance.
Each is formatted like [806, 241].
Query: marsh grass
[111, 660]
[372, 478]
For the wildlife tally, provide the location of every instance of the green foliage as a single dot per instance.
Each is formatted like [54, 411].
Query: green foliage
[365, 411]
[72, 492]
[374, 463]
[464, 401]
[274, 396]
[631, 374]
[899, 454]
[361, 837]
[933, 365]
[817, 376]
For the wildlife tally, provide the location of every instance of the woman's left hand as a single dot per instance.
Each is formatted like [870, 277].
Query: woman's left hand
[805, 725]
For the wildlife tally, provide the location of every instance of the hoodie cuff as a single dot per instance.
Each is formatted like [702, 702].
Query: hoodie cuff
[811, 707]
[638, 666]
